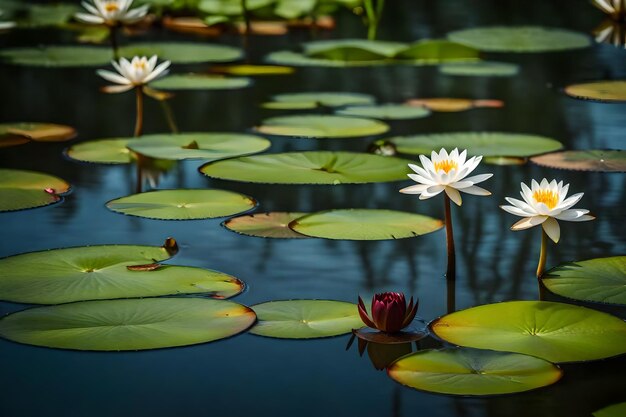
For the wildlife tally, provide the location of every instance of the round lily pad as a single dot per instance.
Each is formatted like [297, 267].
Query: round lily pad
[200, 82]
[253, 70]
[462, 371]
[520, 39]
[437, 50]
[102, 151]
[353, 49]
[615, 410]
[478, 143]
[298, 59]
[7, 141]
[365, 224]
[210, 146]
[182, 204]
[183, 53]
[29, 189]
[39, 132]
[385, 111]
[273, 225]
[553, 331]
[317, 167]
[609, 91]
[311, 126]
[305, 319]
[601, 280]
[298, 101]
[136, 324]
[589, 160]
[480, 69]
[445, 104]
[57, 56]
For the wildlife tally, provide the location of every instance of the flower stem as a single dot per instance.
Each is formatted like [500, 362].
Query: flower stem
[542, 255]
[451, 271]
[113, 36]
[139, 117]
[451, 295]
[169, 115]
[246, 16]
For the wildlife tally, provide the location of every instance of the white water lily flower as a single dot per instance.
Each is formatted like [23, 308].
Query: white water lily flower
[545, 203]
[136, 72]
[615, 8]
[446, 172]
[111, 12]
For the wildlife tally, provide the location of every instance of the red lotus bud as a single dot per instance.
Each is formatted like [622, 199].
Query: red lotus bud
[389, 312]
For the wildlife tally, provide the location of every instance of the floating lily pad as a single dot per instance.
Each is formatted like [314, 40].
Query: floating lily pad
[230, 7]
[352, 49]
[200, 82]
[365, 224]
[7, 141]
[589, 160]
[437, 50]
[385, 111]
[480, 69]
[183, 204]
[39, 132]
[57, 56]
[298, 59]
[615, 410]
[183, 53]
[310, 168]
[553, 331]
[273, 225]
[116, 325]
[253, 70]
[323, 126]
[609, 91]
[478, 143]
[305, 319]
[441, 104]
[461, 371]
[407, 335]
[210, 146]
[520, 39]
[102, 272]
[102, 151]
[601, 280]
[299, 101]
[29, 189]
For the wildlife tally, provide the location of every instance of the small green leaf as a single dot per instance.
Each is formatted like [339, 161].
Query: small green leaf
[311, 126]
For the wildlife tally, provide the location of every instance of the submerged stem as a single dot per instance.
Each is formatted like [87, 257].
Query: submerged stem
[113, 37]
[542, 255]
[139, 116]
[246, 16]
[451, 271]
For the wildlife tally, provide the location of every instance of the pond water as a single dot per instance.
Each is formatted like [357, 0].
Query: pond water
[252, 375]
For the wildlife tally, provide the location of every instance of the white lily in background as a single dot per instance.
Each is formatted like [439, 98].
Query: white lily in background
[446, 172]
[614, 8]
[134, 73]
[6, 25]
[111, 12]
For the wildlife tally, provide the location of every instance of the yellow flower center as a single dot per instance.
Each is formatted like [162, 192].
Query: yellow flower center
[140, 65]
[446, 165]
[111, 7]
[547, 197]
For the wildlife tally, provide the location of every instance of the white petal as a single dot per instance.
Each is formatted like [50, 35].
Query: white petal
[552, 229]
[454, 195]
[414, 189]
[113, 77]
[159, 71]
[476, 190]
[515, 211]
[542, 209]
[117, 88]
[479, 178]
[529, 222]
[420, 179]
[431, 191]
[419, 170]
[521, 205]
[534, 185]
[88, 18]
[569, 202]
[575, 215]
[544, 183]
[90, 8]
[462, 157]
[427, 163]
[455, 154]
[527, 194]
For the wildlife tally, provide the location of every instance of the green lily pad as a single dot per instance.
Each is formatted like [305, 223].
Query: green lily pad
[200, 82]
[253, 70]
[209, 146]
[299, 101]
[136, 324]
[298, 59]
[230, 7]
[615, 410]
[102, 151]
[462, 371]
[477, 143]
[352, 49]
[38, 132]
[609, 91]
[588, 160]
[520, 39]
[182, 204]
[553, 331]
[272, 225]
[601, 280]
[57, 56]
[365, 224]
[183, 53]
[311, 126]
[29, 189]
[385, 111]
[480, 69]
[437, 50]
[305, 319]
[310, 168]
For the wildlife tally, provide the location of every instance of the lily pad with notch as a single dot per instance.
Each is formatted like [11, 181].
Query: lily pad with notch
[269, 225]
[314, 167]
[584, 160]
[553, 331]
[183, 204]
[365, 224]
[102, 151]
[29, 189]
[305, 319]
[122, 325]
[463, 371]
[321, 127]
[208, 146]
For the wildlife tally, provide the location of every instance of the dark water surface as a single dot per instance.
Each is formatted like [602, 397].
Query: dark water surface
[254, 376]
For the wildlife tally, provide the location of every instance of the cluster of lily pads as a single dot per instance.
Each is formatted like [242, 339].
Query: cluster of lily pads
[126, 297]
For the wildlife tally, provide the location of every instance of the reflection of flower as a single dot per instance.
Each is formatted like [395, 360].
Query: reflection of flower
[6, 25]
[111, 12]
[544, 204]
[134, 73]
[389, 312]
[614, 8]
[446, 172]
